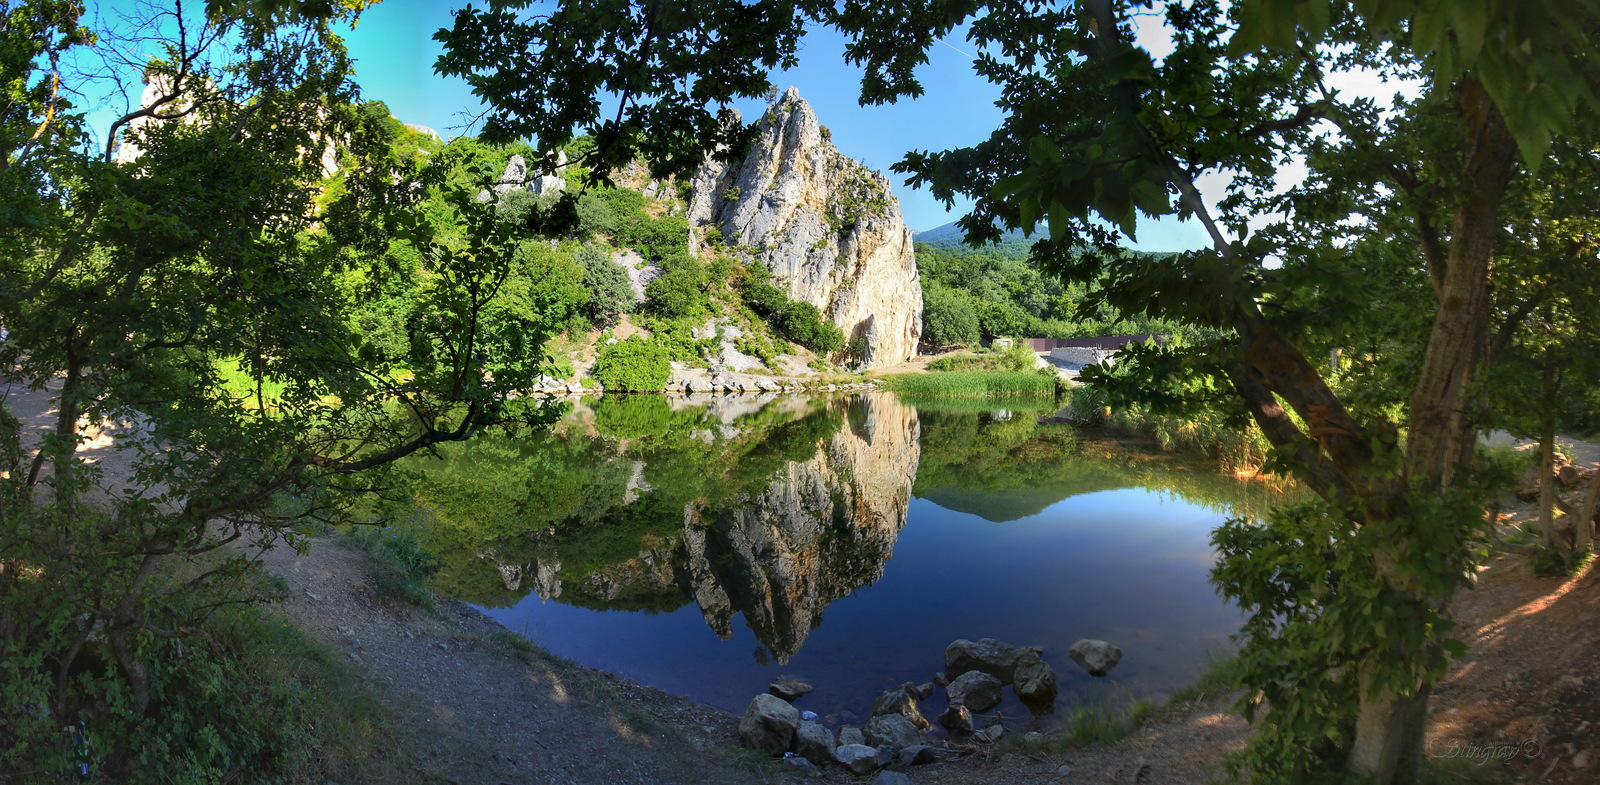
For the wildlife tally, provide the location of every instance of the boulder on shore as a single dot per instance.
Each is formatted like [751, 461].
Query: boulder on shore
[894, 730]
[859, 759]
[901, 700]
[814, 743]
[1095, 656]
[975, 690]
[956, 719]
[769, 725]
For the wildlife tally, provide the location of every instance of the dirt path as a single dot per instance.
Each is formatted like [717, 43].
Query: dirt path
[1584, 454]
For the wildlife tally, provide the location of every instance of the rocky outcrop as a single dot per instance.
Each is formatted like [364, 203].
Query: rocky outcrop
[824, 223]
[517, 176]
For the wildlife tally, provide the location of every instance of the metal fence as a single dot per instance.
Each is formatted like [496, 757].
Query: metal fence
[1112, 342]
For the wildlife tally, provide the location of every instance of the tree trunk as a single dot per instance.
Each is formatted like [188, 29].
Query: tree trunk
[1583, 527]
[1547, 462]
[1389, 735]
[1388, 743]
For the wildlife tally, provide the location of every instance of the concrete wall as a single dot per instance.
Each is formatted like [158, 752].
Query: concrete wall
[1082, 355]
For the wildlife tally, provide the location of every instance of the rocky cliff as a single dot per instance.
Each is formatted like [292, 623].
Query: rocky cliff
[826, 224]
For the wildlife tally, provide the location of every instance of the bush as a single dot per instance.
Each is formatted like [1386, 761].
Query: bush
[802, 323]
[677, 293]
[634, 365]
[610, 292]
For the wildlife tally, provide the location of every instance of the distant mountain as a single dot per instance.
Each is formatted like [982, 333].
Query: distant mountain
[950, 236]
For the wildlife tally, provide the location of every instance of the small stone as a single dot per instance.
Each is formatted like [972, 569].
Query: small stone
[919, 754]
[316, 597]
[814, 743]
[850, 734]
[940, 679]
[1064, 770]
[1095, 656]
[891, 778]
[1033, 737]
[894, 730]
[901, 700]
[1581, 760]
[990, 735]
[801, 766]
[769, 725]
[976, 690]
[859, 759]
[788, 688]
[925, 690]
[956, 719]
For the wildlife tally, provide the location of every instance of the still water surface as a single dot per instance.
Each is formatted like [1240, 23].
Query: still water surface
[707, 547]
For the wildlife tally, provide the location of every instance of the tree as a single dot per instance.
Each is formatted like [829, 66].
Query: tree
[1096, 129]
[947, 320]
[139, 291]
[610, 293]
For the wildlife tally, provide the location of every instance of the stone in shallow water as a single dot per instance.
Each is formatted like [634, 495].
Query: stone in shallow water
[769, 725]
[1035, 683]
[788, 688]
[1095, 656]
[996, 658]
[975, 690]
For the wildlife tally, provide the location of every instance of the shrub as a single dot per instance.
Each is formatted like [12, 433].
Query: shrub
[803, 323]
[610, 292]
[676, 294]
[634, 365]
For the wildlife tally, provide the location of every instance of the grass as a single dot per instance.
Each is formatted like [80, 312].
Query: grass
[1221, 675]
[974, 384]
[353, 740]
[1113, 718]
[398, 566]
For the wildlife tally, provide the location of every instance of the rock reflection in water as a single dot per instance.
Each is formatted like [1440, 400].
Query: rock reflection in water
[640, 521]
[764, 506]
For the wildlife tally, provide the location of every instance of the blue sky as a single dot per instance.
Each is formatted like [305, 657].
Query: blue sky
[394, 53]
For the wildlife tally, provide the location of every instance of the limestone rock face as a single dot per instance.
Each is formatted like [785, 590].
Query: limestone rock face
[824, 223]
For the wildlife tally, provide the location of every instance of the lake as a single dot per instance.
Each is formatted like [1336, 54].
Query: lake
[705, 547]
